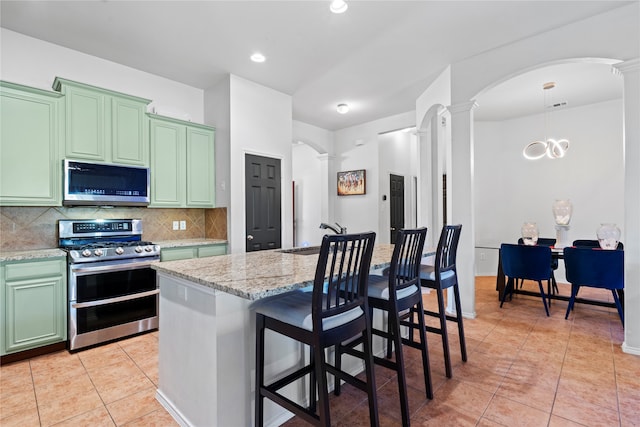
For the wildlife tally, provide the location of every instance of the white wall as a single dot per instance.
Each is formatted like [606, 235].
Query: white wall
[217, 101]
[260, 124]
[518, 190]
[307, 175]
[397, 156]
[361, 213]
[32, 62]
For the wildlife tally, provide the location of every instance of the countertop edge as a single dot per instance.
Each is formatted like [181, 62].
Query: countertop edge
[33, 254]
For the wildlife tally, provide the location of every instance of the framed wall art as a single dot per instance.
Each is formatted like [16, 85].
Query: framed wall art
[351, 183]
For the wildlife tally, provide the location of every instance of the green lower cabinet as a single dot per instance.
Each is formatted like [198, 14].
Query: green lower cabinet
[189, 252]
[34, 304]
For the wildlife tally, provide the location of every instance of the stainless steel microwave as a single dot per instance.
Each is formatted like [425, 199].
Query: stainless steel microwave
[96, 184]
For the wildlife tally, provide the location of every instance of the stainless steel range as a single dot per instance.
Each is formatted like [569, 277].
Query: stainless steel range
[112, 287]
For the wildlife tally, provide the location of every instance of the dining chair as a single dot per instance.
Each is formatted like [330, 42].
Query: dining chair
[592, 244]
[546, 241]
[336, 310]
[526, 262]
[440, 276]
[595, 268]
[395, 293]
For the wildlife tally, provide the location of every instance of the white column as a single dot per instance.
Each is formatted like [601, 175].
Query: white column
[425, 186]
[326, 199]
[631, 237]
[460, 192]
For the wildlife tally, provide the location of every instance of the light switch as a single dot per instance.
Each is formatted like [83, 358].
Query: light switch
[176, 225]
[183, 225]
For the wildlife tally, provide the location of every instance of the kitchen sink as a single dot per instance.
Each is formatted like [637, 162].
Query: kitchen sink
[308, 250]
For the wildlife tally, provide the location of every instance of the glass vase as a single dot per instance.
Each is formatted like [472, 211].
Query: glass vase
[562, 210]
[530, 233]
[608, 236]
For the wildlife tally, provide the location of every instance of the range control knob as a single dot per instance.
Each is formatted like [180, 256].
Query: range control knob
[138, 249]
[119, 250]
[148, 248]
[98, 252]
[86, 253]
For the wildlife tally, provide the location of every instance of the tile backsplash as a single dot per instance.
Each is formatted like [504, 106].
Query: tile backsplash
[26, 228]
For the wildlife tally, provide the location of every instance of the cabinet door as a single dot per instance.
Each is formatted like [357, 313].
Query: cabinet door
[34, 307]
[167, 164]
[129, 132]
[200, 167]
[212, 250]
[86, 124]
[174, 254]
[30, 171]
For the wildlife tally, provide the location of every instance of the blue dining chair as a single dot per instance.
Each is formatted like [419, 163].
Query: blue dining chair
[592, 244]
[546, 241]
[596, 268]
[526, 262]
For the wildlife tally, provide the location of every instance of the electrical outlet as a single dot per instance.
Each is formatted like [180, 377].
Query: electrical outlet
[176, 225]
[183, 225]
[483, 256]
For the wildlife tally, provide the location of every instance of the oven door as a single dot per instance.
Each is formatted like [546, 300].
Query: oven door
[109, 300]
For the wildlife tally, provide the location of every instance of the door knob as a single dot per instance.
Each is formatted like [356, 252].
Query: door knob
[393, 229]
[249, 237]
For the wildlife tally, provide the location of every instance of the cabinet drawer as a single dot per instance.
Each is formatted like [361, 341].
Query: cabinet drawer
[212, 250]
[175, 254]
[26, 270]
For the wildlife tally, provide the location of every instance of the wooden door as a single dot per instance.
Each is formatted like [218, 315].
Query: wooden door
[396, 204]
[262, 193]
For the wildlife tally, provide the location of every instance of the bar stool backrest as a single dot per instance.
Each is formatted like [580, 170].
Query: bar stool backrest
[341, 277]
[447, 250]
[405, 261]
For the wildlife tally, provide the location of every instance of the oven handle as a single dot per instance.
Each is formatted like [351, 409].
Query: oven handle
[116, 299]
[119, 266]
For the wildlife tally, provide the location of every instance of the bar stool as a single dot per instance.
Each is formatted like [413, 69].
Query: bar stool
[440, 276]
[335, 311]
[396, 293]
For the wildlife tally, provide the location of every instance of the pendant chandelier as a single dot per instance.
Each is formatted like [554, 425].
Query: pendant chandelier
[549, 147]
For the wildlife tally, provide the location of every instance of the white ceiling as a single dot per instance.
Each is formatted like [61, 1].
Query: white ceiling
[378, 57]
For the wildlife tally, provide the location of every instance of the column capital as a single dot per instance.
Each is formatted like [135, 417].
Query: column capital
[462, 107]
[628, 66]
[325, 157]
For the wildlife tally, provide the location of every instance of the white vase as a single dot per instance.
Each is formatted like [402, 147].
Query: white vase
[530, 233]
[608, 236]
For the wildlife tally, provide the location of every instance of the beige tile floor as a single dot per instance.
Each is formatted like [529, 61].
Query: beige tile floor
[523, 369]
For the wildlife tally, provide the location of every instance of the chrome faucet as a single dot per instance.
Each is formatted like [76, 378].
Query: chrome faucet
[339, 230]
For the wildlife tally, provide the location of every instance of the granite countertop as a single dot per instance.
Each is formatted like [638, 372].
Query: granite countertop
[256, 275]
[189, 242]
[31, 254]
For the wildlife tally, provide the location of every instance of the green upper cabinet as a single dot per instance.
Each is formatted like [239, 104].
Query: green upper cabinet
[31, 128]
[103, 125]
[182, 164]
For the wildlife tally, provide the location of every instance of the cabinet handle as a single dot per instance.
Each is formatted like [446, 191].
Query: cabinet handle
[249, 237]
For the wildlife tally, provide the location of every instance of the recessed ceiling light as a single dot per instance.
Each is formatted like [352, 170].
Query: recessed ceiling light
[258, 57]
[342, 108]
[338, 6]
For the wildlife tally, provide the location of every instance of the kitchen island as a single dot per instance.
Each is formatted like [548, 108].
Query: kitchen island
[207, 333]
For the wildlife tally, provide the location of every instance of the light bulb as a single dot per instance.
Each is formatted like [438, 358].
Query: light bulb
[342, 108]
